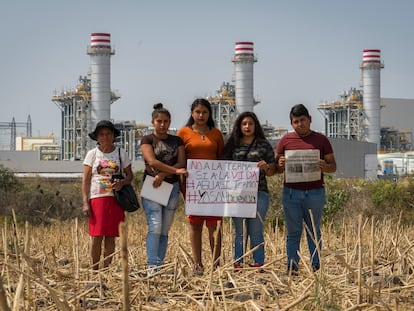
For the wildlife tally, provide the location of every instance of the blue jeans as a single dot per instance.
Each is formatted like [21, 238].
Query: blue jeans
[254, 230]
[159, 220]
[297, 205]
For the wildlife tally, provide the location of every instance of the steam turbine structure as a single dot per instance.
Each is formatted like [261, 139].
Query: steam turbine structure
[100, 63]
[243, 76]
[89, 103]
[371, 68]
[356, 115]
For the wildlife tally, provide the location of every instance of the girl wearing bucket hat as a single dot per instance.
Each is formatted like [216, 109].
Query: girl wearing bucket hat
[100, 166]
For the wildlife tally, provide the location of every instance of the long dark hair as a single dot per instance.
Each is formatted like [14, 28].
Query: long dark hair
[205, 103]
[159, 108]
[236, 133]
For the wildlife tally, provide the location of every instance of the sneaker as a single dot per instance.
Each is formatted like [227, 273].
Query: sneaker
[198, 269]
[237, 266]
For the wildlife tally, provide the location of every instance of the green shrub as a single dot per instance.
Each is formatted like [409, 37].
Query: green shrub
[43, 200]
[275, 212]
[391, 198]
[8, 182]
[336, 198]
[9, 186]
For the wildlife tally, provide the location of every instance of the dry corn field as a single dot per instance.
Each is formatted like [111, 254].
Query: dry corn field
[366, 265]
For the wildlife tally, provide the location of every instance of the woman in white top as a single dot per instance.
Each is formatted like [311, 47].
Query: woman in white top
[104, 214]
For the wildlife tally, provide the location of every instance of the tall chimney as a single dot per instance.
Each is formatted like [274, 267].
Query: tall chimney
[243, 76]
[100, 61]
[371, 84]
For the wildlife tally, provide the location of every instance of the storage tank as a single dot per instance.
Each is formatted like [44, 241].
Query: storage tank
[387, 167]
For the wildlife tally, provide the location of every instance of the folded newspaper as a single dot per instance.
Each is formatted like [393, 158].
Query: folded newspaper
[302, 165]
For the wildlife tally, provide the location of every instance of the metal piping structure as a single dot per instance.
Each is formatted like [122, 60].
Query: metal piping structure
[75, 106]
[344, 118]
[75, 111]
[100, 61]
[223, 107]
[243, 71]
[371, 67]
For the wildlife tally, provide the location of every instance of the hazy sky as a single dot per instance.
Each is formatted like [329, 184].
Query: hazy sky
[170, 51]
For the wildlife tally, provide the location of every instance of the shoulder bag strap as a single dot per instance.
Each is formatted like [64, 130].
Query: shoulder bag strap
[120, 162]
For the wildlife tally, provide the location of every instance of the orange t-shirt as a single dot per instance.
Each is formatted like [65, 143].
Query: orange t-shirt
[208, 147]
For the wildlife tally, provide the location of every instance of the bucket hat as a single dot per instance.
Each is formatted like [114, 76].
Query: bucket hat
[104, 123]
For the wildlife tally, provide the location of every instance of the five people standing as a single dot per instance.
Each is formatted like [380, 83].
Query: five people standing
[165, 158]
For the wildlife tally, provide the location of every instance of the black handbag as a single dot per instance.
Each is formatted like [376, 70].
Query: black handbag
[126, 197]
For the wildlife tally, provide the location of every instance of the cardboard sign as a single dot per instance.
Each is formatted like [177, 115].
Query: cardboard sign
[221, 188]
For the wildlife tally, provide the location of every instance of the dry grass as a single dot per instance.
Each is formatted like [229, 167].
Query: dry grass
[366, 265]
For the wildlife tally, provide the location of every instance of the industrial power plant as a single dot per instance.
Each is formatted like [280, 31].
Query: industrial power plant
[90, 102]
[355, 117]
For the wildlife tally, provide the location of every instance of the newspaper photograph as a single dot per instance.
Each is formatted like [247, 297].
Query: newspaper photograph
[302, 165]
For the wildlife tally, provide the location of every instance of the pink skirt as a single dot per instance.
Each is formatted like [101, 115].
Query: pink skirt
[106, 215]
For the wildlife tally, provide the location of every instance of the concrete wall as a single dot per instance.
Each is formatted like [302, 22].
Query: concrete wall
[27, 162]
[351, 157]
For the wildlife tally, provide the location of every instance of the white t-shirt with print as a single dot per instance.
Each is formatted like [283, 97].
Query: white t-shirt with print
[104, 165]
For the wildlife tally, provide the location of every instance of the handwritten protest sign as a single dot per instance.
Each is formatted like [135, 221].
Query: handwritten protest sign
[221, 188]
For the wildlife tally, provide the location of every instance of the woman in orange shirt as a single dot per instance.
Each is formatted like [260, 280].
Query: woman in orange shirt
[202, 140]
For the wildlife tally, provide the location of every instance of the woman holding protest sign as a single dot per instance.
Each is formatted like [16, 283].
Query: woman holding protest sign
[202, 140]
[247, 142]
[164, 157]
